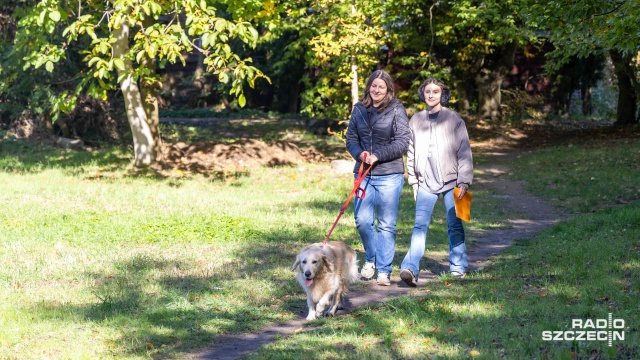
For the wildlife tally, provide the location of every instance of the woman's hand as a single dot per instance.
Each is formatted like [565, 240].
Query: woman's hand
[368, 158]
[463, 190]
[371, 159]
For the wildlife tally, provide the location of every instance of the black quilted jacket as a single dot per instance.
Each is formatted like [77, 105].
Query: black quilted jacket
[381, 135]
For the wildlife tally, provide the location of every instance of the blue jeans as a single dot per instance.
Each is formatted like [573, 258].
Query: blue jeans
[381, 201]
[425, 203]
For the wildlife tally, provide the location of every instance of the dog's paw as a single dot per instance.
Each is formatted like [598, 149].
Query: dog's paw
[311, 316]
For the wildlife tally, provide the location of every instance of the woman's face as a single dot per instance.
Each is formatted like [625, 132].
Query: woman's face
[432, 94]
[378, 91]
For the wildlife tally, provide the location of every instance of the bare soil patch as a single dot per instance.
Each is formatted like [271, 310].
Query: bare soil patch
[205, 157]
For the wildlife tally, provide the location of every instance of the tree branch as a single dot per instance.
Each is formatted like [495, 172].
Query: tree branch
[619, 5]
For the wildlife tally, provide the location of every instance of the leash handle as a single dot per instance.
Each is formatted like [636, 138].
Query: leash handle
[357, 191]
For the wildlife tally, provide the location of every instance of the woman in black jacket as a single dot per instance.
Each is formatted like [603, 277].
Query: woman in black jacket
[378, 134]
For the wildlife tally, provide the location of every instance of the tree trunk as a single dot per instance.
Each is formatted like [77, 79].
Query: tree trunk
[144, 144]
[464, 105]
[198, 74]
[627, 98]
[354, 68]
[585, 91]
[489, 80]
[354, 85]
[294, 99]
[149, 93]
[201, 82]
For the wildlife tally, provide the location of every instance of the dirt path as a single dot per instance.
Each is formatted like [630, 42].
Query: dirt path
[529, 215]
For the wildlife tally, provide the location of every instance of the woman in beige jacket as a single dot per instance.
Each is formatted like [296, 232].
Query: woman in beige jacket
[439, 159]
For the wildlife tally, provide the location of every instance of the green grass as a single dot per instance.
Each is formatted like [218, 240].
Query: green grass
[584, 268]
[570, 272]
[98, 263]
[582, 178]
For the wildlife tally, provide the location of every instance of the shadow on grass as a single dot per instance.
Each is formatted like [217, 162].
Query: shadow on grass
[164, 306]
[23, 156]
[112, 163]
[580, 269]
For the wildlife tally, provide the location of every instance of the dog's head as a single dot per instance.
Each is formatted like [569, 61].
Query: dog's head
[310, 262]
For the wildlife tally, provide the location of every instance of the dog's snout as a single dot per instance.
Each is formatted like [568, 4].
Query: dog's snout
[307, 273]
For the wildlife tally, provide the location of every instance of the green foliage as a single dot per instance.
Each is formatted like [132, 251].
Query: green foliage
[341, 35]
[476, 30]
[453, 40]
[586, 28]
[48, 31]
[519, 105]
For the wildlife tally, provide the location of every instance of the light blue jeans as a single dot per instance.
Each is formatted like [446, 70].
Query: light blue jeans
[381, 204]
[425, 202]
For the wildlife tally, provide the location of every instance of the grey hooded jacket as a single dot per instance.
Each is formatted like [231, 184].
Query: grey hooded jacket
[452, 141]
[380, 135]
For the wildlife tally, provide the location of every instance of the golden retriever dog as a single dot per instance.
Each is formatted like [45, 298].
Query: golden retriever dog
[324, 272]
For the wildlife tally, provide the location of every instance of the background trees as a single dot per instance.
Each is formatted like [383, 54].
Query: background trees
[595, 28]
[121, 42]
[317, 55]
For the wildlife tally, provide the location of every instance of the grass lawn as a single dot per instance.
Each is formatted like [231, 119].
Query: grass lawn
[98, 263]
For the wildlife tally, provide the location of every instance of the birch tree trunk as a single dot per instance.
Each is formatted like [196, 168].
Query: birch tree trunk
[144, 144]
[354, 85]
[149, 94]
[354, 68]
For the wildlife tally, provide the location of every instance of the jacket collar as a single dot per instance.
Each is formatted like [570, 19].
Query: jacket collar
[384, 112]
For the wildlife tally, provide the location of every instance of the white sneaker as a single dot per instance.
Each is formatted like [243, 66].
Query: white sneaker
[368, 270]
[383, 279]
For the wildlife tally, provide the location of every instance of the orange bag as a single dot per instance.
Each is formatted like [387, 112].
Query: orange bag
[463, 206]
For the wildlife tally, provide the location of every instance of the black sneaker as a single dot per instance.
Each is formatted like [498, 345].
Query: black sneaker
[407, 276]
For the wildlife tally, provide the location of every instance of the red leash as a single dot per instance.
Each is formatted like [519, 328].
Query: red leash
[357, 190]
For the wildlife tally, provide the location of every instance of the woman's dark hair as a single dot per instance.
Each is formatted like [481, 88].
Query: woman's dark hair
[446, 93]
[367, 101]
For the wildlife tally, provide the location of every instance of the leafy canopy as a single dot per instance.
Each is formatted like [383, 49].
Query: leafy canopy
[165, 30]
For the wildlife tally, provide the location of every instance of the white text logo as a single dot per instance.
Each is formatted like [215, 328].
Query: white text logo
[609, 329]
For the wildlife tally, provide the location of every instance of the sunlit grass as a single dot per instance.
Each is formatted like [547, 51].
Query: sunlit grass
[584, 268]
[537, 285]
[584, 177]
[99, 263]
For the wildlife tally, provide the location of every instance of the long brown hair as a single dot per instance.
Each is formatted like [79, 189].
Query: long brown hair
[367, 101]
